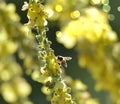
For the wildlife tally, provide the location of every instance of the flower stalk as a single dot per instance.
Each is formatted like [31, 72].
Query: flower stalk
[50, 71]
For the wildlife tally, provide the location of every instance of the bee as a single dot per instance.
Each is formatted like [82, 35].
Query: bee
[62, 60]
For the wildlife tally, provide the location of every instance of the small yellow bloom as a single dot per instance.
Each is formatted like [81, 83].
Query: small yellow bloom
[36, 13]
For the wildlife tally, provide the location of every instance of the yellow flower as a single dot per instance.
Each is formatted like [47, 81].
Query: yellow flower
[93, 26]
[36, 13]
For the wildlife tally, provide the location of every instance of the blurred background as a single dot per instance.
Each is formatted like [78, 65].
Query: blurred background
[73, 69]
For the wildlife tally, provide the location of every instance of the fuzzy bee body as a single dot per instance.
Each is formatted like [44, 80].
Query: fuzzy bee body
[62, 60]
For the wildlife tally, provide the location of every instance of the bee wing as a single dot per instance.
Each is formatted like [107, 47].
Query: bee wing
[67, 58]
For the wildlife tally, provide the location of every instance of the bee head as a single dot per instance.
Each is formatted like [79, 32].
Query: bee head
[60, 58]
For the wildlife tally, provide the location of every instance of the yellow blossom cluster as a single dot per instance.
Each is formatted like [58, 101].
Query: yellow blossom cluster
[36, 13]
[67, 10]
[96, 43]
[13, 87]
[93, 26]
